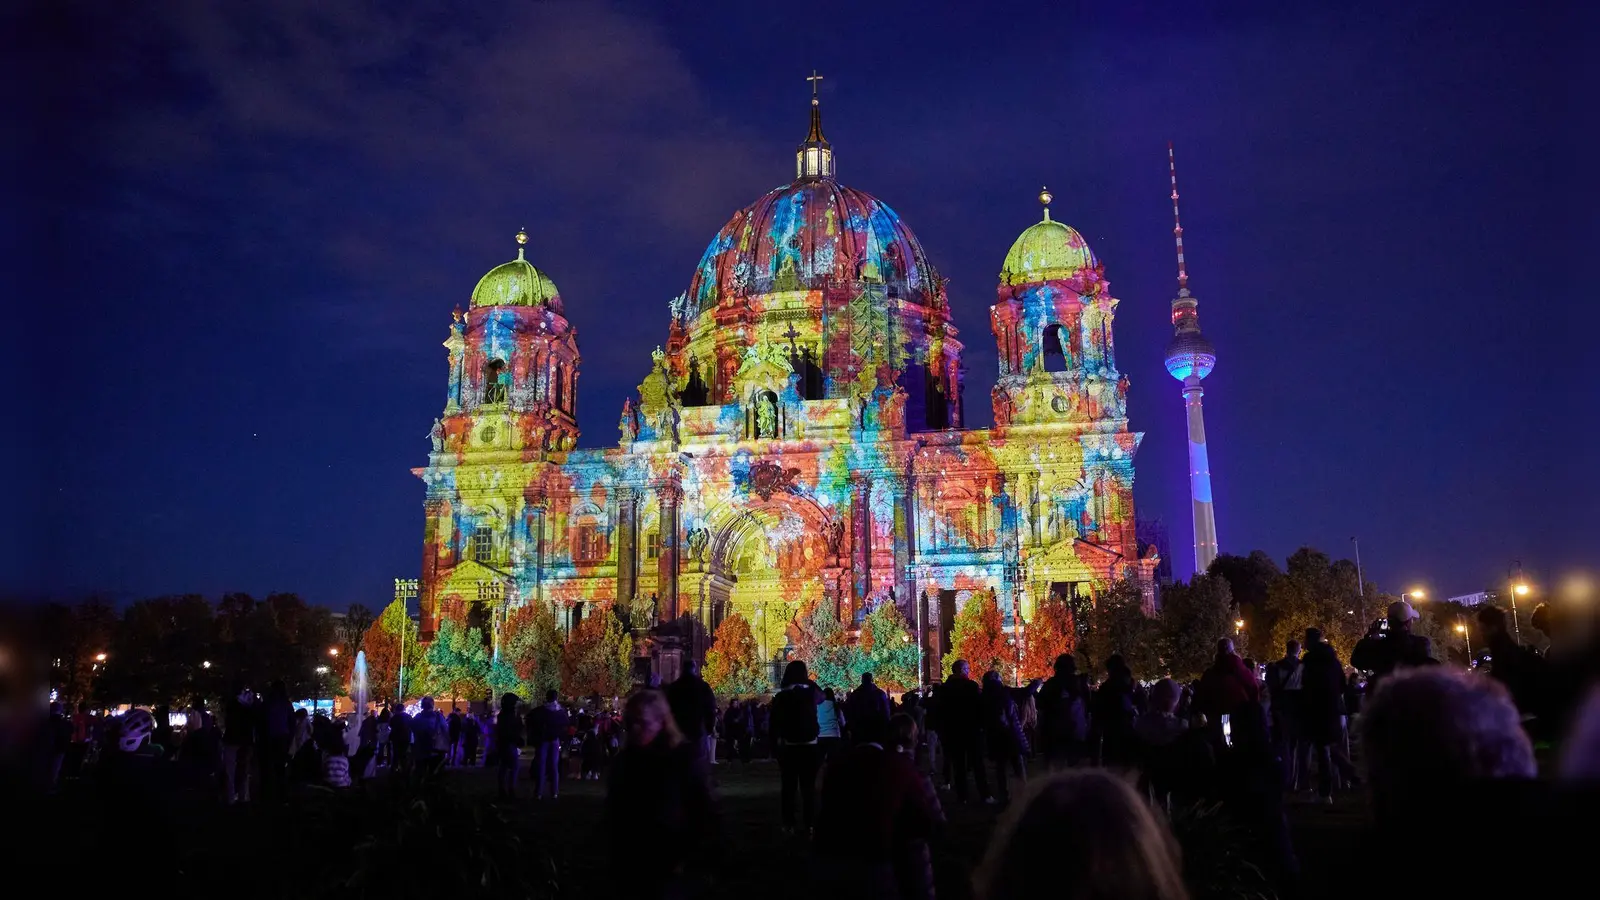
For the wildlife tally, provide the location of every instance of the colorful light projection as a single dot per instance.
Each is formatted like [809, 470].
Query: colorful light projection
[798, 438]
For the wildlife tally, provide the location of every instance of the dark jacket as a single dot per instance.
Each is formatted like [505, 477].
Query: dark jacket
[546, 724]
[1063, 715]
[653, 792]
[867, 711]
[508, 732]
[872, 802]
[694, 705]
[1002, 724]
[960, 708]
[1321, 692]
[1226, 686]
[794, 714]
[1381, 654]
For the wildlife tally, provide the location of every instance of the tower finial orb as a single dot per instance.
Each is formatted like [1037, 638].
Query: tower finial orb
[1044, 198]
[522, 241]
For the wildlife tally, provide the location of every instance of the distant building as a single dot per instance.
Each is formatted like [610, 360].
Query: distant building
[1473, 599]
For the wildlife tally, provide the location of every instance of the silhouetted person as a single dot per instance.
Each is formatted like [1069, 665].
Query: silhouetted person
[658, 788]
[961, 730]
[1322, 712]
[694, 706]
[547, 725]
[794, 735]
[1063, 714]
[1381, 653]
[867, 711]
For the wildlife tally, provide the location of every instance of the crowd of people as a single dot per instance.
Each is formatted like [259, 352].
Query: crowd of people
[1088, 768]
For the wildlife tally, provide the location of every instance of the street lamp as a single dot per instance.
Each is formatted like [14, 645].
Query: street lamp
[1415, 594]
[1466, 636]
[1238, 626]
[205, 664]
[99, 657]
[316, 696]
[333, 651]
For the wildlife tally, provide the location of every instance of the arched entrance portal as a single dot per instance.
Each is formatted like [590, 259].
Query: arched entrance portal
[765, 564]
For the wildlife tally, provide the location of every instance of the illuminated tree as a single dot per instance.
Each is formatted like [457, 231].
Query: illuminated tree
[1051, 633]
[826, 646]
[1192, 617]
[979, 636]
[733, 667]
[887, 649]
[531, 644]
[458, 660]
[598, 657]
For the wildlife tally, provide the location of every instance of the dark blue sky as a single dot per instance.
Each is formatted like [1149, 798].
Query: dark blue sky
[243, 228]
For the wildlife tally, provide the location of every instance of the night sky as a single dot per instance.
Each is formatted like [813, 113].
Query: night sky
[243, 227]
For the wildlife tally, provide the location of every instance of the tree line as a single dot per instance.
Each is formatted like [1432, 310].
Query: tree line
[167, 649]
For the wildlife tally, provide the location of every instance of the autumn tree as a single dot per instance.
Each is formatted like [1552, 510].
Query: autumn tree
[887, 649]
[1118, 625]
[979, 636]
[531, 645]
[1193, 617]
[389, 642]
[1314, 591]
[1051, 633]
[733, 665]
[598, 657]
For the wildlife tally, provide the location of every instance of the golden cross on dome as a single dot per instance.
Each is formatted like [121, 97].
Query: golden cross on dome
[814, 78]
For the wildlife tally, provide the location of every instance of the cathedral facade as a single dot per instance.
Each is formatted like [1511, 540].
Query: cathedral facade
[798, 438]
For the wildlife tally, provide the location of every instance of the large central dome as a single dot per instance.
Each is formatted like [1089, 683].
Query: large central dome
[810, 235]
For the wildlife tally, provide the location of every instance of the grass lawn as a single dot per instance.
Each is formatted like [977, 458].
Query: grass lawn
[312, 846]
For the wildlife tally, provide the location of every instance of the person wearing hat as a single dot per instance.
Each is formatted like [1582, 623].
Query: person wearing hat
[1382, 652]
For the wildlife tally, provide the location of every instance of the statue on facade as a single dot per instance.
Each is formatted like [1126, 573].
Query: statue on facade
[629, 425]
[655, 607]
[766, 416]
[698, 537]
[436, 435]
[835, 537]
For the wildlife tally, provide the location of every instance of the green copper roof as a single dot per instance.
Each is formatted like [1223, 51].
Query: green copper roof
[516, 283]
[1047, 251]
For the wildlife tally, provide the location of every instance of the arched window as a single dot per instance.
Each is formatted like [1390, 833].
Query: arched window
[559, 391]
[1055, 355]
[695, 392]
[809, 380]
[936, 402]
[496, 381]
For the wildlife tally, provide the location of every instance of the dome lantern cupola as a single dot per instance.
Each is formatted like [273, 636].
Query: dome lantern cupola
[813, 159]
[517, 283]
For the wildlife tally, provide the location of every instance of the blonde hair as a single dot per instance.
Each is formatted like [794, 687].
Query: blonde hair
[654, 703]
[1085, 834]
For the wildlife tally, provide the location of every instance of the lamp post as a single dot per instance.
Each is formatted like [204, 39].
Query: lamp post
[1518, 588]
[1238, 626]
[1361, 583]
[1467, 637]
[316, 695]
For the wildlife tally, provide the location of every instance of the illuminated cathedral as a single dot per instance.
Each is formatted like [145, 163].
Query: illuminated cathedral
[798, 438]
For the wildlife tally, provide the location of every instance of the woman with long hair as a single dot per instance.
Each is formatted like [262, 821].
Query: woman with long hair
[1084, 834]
[658, 786]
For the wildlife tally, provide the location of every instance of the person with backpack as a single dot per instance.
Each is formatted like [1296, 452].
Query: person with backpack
[1063, 715]
[431, 734]
[795, 731]
[961, 730]
[1284, 679]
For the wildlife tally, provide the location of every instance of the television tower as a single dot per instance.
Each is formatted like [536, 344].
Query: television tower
[1190, 358]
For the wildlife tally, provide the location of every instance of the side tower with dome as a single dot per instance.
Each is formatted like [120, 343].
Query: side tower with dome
[797, 439]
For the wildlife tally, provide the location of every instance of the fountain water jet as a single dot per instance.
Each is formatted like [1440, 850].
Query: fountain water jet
[358, 694]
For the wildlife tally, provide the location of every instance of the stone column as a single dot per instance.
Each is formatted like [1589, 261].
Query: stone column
[671, 495]
[627, 545]
[902, 486]
[861, 536]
